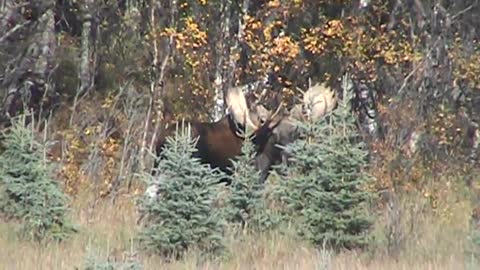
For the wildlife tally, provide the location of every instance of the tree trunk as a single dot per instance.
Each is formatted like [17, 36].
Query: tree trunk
[156, 81]
[218, 109]
[235, 49]
[26, 82]
[87, 64]
[368, 114]
[86, 57]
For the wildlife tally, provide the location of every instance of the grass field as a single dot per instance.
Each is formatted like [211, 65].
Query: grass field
[415, 240]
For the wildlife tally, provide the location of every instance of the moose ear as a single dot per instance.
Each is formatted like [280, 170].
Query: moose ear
[237, 106]
[318, 101]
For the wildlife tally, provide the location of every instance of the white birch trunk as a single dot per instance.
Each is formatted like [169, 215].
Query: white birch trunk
[219, 104]
[86, 58]
[148, 117]
[85, 75]
[156, 84]
[473, 157]
[234, 49]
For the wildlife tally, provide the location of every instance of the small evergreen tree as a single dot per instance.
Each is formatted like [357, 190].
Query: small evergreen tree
[183, 215]
[325, 190]
[27, 191]
[246, 203]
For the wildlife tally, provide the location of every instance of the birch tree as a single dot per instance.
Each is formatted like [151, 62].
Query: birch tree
[86, 72]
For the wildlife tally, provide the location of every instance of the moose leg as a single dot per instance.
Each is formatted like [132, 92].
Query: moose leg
[263, 163]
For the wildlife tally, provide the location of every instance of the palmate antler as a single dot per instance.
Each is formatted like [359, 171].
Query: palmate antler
[237, 106]
[250, 119]
[318, 100]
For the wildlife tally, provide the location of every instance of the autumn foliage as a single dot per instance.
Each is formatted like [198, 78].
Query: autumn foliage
[419, 62]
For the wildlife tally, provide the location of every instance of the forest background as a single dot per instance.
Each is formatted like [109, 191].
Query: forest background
[100, 77]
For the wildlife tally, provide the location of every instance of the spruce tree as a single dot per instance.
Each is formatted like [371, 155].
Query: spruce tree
[325, 187]
[28, 192]
[246, 203]
[183, 215]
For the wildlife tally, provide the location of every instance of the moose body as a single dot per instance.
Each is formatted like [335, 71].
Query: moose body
[217, 142]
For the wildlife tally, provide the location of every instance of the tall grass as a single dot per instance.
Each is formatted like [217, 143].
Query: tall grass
[429, 241]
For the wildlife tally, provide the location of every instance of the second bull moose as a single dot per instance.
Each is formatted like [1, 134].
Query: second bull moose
[220, 142]
[317, 101]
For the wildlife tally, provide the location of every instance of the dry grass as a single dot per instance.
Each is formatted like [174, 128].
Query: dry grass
[107, 232]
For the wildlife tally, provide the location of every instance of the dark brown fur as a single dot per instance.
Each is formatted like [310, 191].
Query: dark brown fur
[217, 142]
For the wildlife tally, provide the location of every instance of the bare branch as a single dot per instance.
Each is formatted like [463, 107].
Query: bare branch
[407, 78]
[13, 30]
[461, 12]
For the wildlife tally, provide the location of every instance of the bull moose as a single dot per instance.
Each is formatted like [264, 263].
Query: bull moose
[317, 101]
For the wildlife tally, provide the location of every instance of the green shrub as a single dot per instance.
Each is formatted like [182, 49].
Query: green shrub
[28, 192]
[183, 215]
[324, 191]
[246, 204]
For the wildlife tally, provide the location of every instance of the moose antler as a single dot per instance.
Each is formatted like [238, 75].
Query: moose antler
[237, 105]
[277, 111]
[319, 100]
